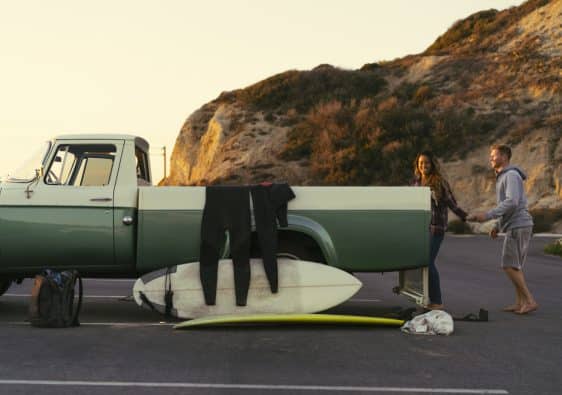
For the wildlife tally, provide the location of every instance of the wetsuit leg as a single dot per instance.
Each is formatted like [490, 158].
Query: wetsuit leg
[239, 227]
[266, 227]
[212, 238]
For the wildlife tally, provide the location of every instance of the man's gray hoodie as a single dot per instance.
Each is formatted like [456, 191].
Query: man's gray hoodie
[511, 210]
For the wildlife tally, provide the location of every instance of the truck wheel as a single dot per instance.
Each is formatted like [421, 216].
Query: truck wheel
[292, 245]
[4, 285]
[299, 247]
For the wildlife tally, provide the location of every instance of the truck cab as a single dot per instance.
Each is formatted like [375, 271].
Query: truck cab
[73, 204]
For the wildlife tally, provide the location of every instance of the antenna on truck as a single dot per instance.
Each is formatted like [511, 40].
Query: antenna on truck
[163, 153]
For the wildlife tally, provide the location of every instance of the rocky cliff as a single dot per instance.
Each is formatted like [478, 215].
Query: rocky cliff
[492, 77]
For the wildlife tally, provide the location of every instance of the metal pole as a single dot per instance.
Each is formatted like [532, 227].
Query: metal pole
[164, 152]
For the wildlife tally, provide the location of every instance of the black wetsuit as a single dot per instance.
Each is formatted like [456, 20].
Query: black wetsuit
[226, 208]
[270, 204]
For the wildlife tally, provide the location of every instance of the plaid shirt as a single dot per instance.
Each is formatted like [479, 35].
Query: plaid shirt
[439, 209]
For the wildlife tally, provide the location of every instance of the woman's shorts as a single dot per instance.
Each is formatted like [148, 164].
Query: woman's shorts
[515, 246]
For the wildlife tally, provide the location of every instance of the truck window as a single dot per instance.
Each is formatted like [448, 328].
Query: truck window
[81, 165]
[94, 171]
[28, 170]
[143, 175]
[61, 166]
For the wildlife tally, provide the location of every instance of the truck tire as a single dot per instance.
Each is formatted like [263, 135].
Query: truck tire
[4, 285]
[299, 246]
[292, 245]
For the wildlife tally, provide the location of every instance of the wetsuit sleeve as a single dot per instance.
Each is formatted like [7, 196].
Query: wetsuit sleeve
[280, 196]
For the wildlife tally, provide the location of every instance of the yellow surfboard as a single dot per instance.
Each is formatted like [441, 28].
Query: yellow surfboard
[315, 319]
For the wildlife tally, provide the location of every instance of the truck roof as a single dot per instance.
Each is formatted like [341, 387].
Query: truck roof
[105, 136]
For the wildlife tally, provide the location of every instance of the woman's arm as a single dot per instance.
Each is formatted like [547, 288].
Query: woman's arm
[452, 202]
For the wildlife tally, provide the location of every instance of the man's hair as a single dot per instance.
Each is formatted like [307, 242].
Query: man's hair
[503, 149]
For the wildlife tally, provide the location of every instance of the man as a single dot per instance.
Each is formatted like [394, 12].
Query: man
[514, 219]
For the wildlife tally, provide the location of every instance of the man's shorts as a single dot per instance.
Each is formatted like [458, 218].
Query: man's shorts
[515, 246]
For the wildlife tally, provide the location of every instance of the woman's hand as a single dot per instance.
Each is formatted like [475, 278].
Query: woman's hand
[478, 217]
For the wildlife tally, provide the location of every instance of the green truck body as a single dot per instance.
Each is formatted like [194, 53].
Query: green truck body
[86, 202]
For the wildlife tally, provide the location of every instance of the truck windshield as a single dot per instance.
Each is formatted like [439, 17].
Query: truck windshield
[27, 171]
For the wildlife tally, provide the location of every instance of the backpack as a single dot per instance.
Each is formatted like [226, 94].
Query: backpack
[52, 299]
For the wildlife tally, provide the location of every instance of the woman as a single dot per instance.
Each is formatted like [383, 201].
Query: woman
[426, 171]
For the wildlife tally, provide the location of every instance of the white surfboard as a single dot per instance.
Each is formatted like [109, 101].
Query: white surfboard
[304, 287]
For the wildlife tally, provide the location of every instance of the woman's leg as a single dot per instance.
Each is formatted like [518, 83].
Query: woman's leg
[434, 283]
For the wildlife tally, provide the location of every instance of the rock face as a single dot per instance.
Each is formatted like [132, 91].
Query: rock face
[505, 66]
[225, 144]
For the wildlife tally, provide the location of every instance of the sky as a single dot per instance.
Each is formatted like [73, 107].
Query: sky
[142, 67]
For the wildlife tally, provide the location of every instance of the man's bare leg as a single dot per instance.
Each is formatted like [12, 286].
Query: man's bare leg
[524, 296]
[518, 296]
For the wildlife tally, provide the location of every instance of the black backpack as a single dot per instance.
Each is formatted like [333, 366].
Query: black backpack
[52, 299]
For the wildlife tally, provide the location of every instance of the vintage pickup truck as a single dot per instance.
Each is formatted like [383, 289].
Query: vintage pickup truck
[86, 202]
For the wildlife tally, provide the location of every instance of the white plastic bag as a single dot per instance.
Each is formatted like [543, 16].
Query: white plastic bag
[435, 322]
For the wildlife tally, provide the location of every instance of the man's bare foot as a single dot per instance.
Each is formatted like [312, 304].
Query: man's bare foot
[527, 308]
[512, 308]
[435, 306]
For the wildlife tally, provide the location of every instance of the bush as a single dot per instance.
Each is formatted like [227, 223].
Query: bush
[459, 227]
[478, 24]
[423, 93]
[270, 117]
[554, 248]
[406, 91]
[478, 30]
[479, 169]
[373, 143]
[303, 90]
[544, 218]
[370, 67]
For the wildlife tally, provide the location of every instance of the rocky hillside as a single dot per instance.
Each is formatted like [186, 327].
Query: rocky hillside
[492, 77]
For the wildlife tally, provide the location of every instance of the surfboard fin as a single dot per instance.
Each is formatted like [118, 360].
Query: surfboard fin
[146, 301]
[169, 295]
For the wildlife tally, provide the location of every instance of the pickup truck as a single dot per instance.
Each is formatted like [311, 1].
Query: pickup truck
[87, 202]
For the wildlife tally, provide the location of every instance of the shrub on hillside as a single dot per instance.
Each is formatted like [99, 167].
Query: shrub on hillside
[405, 91]
[370, 67]
[362, 143]
[303, 90]
[480, 169]
[422, 94]
[544, 218]
[476, 24]
[477, 31]
[459, 227]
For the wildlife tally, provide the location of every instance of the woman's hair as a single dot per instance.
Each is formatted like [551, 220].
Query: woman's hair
[436, 181]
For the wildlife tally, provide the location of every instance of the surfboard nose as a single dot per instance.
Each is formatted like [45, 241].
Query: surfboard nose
[324, 287]
[138, 288]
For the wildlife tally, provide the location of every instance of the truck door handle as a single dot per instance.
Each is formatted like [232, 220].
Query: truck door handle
[101, 200]
[127, 220]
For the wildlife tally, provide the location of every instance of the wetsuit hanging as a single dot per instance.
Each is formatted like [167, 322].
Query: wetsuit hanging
[270, 204]
[226, 208]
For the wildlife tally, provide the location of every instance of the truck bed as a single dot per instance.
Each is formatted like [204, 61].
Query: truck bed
[359, 229]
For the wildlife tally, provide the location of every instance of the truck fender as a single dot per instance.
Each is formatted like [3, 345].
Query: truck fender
[303, 225]
[306, 227]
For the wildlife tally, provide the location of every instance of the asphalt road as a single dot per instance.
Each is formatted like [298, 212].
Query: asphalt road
[121, 348]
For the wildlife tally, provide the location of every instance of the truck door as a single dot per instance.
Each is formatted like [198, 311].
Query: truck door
[67, 219]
